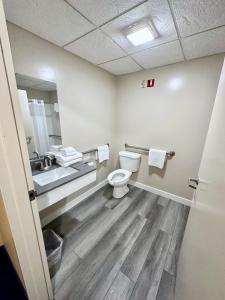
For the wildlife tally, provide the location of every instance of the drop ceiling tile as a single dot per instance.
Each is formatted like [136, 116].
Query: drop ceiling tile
[205, 43]
[46, 86]
[195, 16]
[155, 10]
[25, 81]
[121, 66]
[101, 11]
[159, 56]
[95, 47]
[55, 21]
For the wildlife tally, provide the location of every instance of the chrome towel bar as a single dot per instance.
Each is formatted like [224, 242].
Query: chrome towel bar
[168, 153]
[92, 150]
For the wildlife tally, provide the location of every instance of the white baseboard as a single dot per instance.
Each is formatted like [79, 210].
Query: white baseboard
[161, 193]
[72, 203]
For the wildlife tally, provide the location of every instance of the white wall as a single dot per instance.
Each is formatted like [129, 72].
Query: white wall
[174, 115]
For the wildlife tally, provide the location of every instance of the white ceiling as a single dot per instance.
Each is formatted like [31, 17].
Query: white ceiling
[94, 30]
[34, 83]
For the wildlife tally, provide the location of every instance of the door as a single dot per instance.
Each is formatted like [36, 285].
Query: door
[16, 181]
[201, 268]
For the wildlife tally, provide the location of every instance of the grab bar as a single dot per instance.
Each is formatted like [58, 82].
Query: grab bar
[92, 150]
[168, 153]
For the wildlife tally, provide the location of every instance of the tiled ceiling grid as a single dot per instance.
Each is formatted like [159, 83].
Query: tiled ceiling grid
[94, 30]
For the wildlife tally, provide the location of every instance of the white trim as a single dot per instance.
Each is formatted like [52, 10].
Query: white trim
[156, 191]
[72, 203]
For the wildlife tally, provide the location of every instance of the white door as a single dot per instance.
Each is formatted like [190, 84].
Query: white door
[201, 268]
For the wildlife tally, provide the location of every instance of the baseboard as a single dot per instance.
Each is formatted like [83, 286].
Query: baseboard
[72, 203]
[161, 193]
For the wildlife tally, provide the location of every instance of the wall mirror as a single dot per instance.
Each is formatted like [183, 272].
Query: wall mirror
[40, 113]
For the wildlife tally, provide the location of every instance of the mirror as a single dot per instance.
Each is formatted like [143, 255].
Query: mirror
[40, 113]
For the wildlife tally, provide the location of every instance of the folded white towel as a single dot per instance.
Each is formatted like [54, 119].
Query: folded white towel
[65, 159]
[56, 147]
[67, 164]
[68, 151]
[157, 158]
[103, 153]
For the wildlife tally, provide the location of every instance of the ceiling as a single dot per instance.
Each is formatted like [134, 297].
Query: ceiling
[93, 30]
[34, 83]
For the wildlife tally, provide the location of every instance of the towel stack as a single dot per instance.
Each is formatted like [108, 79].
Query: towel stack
[68, 156]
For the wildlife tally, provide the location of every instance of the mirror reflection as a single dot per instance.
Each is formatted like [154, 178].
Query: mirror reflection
[40, 113]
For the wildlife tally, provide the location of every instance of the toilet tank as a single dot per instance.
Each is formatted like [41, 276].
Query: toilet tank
[129, 161]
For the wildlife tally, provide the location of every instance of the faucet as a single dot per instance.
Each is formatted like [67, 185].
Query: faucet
[37, 154]
[47, 163]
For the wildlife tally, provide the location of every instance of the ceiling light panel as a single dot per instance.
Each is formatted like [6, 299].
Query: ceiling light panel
[121, 66]
[55, 21]
[96, 47]
[195, 16]
[159, 56]
[141, 33]
[157, 11]
[101, 11]
[205, 43]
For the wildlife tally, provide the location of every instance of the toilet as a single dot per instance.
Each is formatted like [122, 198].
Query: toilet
[129, 163]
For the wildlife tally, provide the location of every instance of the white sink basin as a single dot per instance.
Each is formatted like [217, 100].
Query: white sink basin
[53, 175]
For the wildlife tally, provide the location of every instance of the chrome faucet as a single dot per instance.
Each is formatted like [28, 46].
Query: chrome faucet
[37, 154]
[47, 163]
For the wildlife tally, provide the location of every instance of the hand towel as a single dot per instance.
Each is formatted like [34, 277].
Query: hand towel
[157, 158]
[67, 164]
[65, 159]
[68, 151]
[56, 147]
[103, 153]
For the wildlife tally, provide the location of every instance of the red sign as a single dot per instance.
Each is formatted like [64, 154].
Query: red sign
[148, 83]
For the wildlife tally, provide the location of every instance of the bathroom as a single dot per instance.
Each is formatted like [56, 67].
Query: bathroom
[132, 212]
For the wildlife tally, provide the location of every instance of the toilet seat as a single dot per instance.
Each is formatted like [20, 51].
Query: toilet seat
[119, 177]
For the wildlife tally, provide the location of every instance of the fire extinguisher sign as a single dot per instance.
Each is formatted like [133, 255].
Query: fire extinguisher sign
[149, 83]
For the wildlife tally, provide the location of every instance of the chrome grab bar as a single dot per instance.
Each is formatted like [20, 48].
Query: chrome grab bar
[92, 150]
[168, 153]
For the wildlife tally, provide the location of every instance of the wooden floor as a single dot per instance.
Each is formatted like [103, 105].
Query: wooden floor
[120, 249]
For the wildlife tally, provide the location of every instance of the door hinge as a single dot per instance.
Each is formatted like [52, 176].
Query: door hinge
[193, 180]
[32, 194]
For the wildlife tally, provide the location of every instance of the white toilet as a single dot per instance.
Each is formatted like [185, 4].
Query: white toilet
[129, 162]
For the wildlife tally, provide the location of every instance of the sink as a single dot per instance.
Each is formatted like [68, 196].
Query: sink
[53, 175]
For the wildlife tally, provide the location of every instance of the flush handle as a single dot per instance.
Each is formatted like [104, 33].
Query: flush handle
[193, 183]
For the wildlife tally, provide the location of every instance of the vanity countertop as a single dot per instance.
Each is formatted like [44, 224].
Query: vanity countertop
[82, 167]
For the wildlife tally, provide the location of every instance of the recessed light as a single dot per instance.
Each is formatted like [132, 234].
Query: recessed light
[141, 34]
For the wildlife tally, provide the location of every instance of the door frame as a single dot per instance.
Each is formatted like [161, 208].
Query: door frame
[16, 181]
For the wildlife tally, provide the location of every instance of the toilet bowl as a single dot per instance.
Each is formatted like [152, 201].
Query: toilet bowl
[129, 162]
[119, 179]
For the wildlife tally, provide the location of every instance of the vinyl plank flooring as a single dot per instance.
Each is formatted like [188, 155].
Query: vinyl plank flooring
[120, 289]
[76, 285]
[163, 201]
[150, 200]
[120, 249]
[174, 249]
[99, 253]
[68, 265]
[170, 218]
[93, 203]
[137, 256]
[146, 287]
[97, 231]
[166, 289]
[103, 279]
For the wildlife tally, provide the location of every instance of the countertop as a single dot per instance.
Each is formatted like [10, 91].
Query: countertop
[82, 167]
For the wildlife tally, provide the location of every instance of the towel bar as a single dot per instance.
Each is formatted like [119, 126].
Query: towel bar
[168, 153]
[92, 150]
